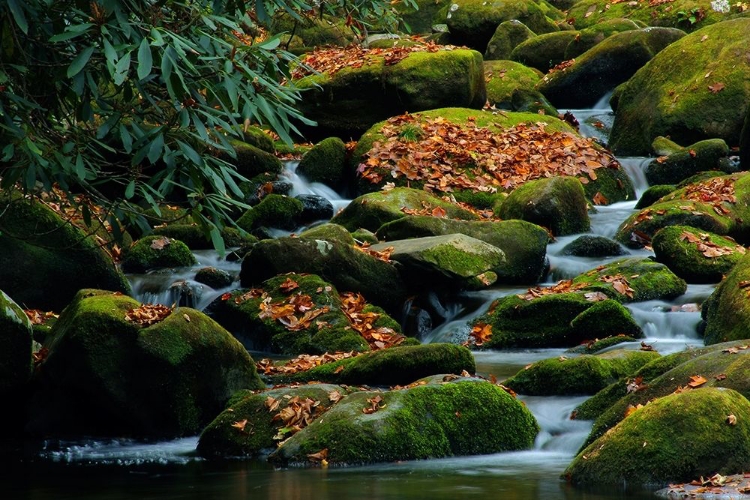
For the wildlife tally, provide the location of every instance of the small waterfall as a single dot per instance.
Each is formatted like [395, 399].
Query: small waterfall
[301, 186]
[558, 432]
[635, 167]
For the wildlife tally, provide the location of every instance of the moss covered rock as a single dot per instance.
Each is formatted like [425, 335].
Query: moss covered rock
[688, 15]
[589, 37]
[544, 51]
[214, 277]
[652, 195]
[507, 36]
[524, 244]
[251, 161]
[194, 237]
[105, 375]
[682, 164]
[694, 255]
[597, 345]
[504, 77]
[329, 232]
[370, 211]
[587, 374]
[727, 312]
[348, 269]
[603, 67]
[325, 163]
[352, 100]
[314, 31]
[473, 22]
[643, 279]
[548, 320]
[463, 417]
[329, 331]
[673, 439]
[557, 203]
[273, 211]
[155, 252]
[257, 137]
[262, 431]
[44, 260]
[593, 246]
[420, 19]
[393, 366]
[670, 95]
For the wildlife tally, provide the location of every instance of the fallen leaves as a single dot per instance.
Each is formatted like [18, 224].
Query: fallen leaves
[295, 312]
[708, 248]
[148, 314]
[696, 381]
[161, 243]
[716, 87]
[301, 363]
[384, 255]
[295, 416]
[619, 283]
[635, 385]
[376, 403]
[479, 335]
[731, 419]
[240, 425]
[445, 156]
[563, 286]
[38, 317]
[377, 337]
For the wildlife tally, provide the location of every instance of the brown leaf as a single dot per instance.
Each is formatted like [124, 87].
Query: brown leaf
[376, 403]
[716, 87]
[148, 314]
[319, 456]
[599, 199]
[161, 243]
[334, 396]
[240, 424]
[288, 285]
[696, 381]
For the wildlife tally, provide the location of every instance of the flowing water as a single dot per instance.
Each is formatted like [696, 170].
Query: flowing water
[114, 469]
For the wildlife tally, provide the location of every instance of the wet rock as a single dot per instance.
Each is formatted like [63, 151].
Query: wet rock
[105, 375]
[726, 313]
[653, 194]
[682, 164]
[588, 38]
[273, 211]
[193, 236]
[593, 246]
[325, 163]
[544, 51]
[503, 77]
[673, 439]
[507, 36]
[157, 252]
[329, 232]
[586, 374]
[314, 208]
[214, 277]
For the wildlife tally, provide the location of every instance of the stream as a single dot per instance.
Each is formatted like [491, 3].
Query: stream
[119, 469]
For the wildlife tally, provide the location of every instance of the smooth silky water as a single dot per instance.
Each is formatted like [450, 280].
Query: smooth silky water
[118, 468]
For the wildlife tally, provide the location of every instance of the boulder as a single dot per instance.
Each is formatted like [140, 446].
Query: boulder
[694, 255]
[329, 232]
[524, 244]
[214, 277]
[589, 37]
[473, 22]
[663, 98]
[586, 374]
[608, 64]
[504, 77]
[314, 208]
[726, 312]
[350, 101]
[157, 252]
[314, 31]
[194, 237]
[45, 260]
[273, 211]
[593, 246]
[543, 52]
[107, 375]
[557, 203]
[452, 260]
[400, 365]
[507, 36]
[461, 417]
[674, 439]
[597, 345]
[347, 268]
[370, 211]
[653, 194]
[251, 161]
[683, 164]
[325, 163]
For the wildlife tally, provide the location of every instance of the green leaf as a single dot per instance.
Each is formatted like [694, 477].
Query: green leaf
[217, 240]
[126, 138]
[80, 169]
[80, 62]
[130, 190]
[145, 60]
[19, 16]
[156, 148]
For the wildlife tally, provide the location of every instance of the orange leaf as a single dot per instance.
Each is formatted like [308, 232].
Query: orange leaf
[716, 87]
[696, 381]
[240, 424]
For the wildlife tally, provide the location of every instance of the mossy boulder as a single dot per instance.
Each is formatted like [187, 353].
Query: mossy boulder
[682, 164]
[240, 313]
[671, 95]
[603, 67]
[105, 375]
[262, 432]
[544, 51]
[15, 360]
[256, 137]
[214, 277]
[420, 19]
[194, 237]
[524, 244]
[593, 246]
[347, 268]
[45, 260]
[673, 439]
[504, 77]
[507, 36]
[586, 374]
[589, 37]
[325, 163]
[473, 22]
[694, 255]
[370, 211]
[550, 320]
[645, 278]
[727, 312]
[557, 203]
[531, 101]
[314, 31]
[664, 146]
[400, 365]
[462, 417]
[717, 204]
[157, 252]
[451, 260]
[677, 14]
[350, 101]
[597, 345]
[653, 194]
[329, 232]
[251, 161]
[274, 210]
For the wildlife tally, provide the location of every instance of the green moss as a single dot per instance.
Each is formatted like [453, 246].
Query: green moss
[325, 163]
[255, 136]
[587, 374]
[664, 146]
[726, 313]
[590, 37]
[544, 51]
[192, 235]
[214, 277]
[597, 345]
[593, 407]
[329, 232]
[592, 246]
[364, 236]
[682, 164]
[273, 211]
[506, 37]
[604, 317]
[251, 161]
[503, 77]
[143, 256]
[428, 421]
[420, 19]
[652, 195]
[673, 439]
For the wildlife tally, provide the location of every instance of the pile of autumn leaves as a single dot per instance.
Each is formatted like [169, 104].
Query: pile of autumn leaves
[444, 156]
